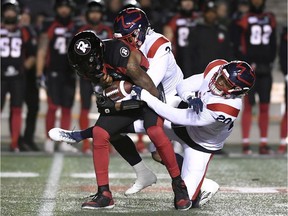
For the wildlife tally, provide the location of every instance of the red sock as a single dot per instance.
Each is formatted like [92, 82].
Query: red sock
[284, 129]
[65, 118]
[164, 148]
[51, 115]
[263, 120]
[15, 125]
[101, 155]
[246, 118]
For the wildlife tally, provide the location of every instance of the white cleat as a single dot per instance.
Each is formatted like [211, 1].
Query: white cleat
[61, 135]
[208, 190]
[143, 180]
[49, 146]
[64, 147]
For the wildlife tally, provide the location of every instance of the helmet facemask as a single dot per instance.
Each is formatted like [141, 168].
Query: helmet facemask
[221, 85]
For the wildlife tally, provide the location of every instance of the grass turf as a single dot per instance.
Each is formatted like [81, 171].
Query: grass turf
[24, 196]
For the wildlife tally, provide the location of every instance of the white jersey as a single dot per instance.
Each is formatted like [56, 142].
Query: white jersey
[162, 64]
[209, 128]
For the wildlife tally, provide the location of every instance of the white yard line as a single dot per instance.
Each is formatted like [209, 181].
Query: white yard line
[48, 203]
[18, 174]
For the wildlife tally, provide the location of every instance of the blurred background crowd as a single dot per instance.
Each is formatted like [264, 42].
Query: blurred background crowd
[35, 34]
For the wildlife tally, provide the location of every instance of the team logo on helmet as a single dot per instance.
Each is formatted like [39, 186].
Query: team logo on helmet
[124, 52]
[82, 47]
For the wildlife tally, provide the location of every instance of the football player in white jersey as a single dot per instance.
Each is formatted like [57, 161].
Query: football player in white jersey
[220, 88]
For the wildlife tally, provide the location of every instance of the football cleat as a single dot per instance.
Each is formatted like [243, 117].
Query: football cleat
[61, 135]
[144, 180]
[246, 150]
[265, 150]
[208, 190]
[181, 198]
[101, 200]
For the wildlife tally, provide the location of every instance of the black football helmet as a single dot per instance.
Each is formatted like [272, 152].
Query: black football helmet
[232, 80]
[92, 6]
[85, 55]
[132, 22]
[13, 5]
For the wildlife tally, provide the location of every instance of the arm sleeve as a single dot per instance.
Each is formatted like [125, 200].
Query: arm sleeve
[188, 85]
[184, 117]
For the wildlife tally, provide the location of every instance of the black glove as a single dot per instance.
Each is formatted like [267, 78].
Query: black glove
[196, 104]
[41, 81]
[105, 105]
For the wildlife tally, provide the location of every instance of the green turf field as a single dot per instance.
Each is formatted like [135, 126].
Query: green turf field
[58, 184]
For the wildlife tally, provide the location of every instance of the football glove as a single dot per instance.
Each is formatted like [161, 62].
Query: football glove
[196, 104]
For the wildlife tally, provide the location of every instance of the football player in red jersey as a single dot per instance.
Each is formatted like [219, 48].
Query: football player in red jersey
[256, 44]
[94, 13]
[121, 60]
[18, 47]
[51, 57]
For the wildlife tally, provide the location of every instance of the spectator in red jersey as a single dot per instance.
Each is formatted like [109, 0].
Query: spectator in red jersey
[61, 81]
[255, 43]
[18, 47]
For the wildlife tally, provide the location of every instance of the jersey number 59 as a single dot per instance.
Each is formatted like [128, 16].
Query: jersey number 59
[10, 47]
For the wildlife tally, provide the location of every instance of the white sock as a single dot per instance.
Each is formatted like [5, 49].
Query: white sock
[140, 168]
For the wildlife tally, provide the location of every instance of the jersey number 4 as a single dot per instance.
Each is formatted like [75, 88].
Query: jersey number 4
[10, 47]
[60, 45]
[260, 34]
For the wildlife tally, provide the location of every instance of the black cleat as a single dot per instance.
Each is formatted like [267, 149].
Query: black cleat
[181, 198]
[101, 200]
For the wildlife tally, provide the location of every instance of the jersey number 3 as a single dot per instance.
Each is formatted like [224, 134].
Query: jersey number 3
[10, 47]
